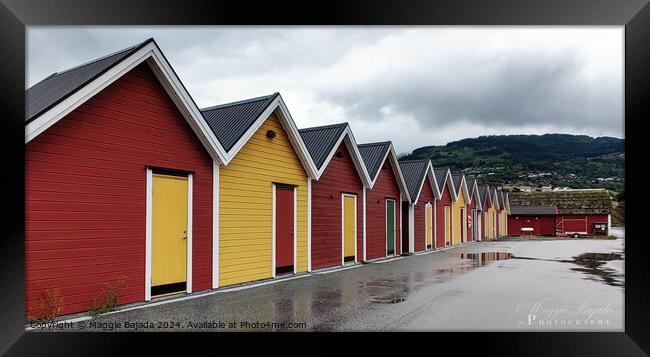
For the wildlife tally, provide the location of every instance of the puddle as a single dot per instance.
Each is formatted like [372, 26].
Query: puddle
[593, 264]
[484, 258]
[387, 291]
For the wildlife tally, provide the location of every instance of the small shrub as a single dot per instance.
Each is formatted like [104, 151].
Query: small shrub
[49, 306]
[106, 300]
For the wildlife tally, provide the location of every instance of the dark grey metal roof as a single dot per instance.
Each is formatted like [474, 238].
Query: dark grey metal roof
[493, 191]
[231, 120]
[457, 179]
[441, 175]
[414, 172]
[373, 156]
[533, 210]
[58, 86]
[470, 185]
[320, 140]
[482, 192]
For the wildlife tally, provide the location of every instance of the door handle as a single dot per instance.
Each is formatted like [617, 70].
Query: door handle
[185, 234]
[291, 232]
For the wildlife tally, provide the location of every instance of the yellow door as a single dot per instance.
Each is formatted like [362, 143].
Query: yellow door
[169, 233]
[429, 224]
[349, 226]
[447, 225]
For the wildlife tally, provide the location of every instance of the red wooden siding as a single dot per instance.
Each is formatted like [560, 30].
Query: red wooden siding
[85, 198]
[385, 187]
[542, 225]
[419, 212]
[575, 222]
[340, 176]
[445, 200]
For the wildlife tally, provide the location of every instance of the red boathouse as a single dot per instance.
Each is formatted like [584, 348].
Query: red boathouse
[443, 206]
[419, 217]
[383, 200]
[95, 136]
[336, 196]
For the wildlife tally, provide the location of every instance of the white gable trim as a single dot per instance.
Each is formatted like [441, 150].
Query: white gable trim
[163, 71]
[463, 188]
[278, 107]
[351, 144]
[434, 186]
[396, 170]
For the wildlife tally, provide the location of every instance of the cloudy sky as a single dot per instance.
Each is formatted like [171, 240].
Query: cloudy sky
[415, 86]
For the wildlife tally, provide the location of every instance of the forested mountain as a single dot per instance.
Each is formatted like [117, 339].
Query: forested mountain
[576, 161]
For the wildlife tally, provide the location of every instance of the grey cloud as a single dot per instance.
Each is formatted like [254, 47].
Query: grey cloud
[521, 90]
[455, 85]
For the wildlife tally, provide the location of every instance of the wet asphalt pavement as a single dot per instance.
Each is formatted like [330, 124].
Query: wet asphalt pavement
[506, 285]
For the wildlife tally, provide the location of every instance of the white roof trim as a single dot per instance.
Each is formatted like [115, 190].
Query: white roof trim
[396, 170]
[279, 107]
[463, 184]
[432, 180]
[476, 197]
[165, 74]
[357, 159]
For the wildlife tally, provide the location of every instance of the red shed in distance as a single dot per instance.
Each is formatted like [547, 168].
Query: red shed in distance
[337, 209]
[532, 221]
[581, 212]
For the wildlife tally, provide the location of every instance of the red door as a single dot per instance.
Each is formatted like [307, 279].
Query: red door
[284, 229]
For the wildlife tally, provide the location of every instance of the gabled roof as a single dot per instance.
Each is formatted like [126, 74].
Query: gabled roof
[51, 99]
[482, 193]
[460, 185]
[534, 210]
[230, 121]
[374, 155]
[415, 172]
[322, 142]
[495, 197]
[472, 188]
[235, 123]
[443, 176]
[54, 88]
[471, 181]
[567, 202]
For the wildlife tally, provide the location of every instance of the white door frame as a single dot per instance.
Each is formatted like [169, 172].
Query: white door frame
[295, 229]
[428, 205]
[149, 233]
[343, 195]
[394, 223]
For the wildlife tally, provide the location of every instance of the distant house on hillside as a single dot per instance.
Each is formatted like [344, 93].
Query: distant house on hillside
[577, 212]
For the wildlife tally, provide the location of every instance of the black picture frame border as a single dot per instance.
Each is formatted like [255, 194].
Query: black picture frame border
[634, 15]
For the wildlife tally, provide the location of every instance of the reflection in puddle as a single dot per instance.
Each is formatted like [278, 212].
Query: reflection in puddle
[481, 259]
[592, 264]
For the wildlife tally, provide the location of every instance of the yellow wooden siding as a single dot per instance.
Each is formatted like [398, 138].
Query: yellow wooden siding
[246, 206]
[455, 219]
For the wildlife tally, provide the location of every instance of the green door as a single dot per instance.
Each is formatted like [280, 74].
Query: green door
[390, 227]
